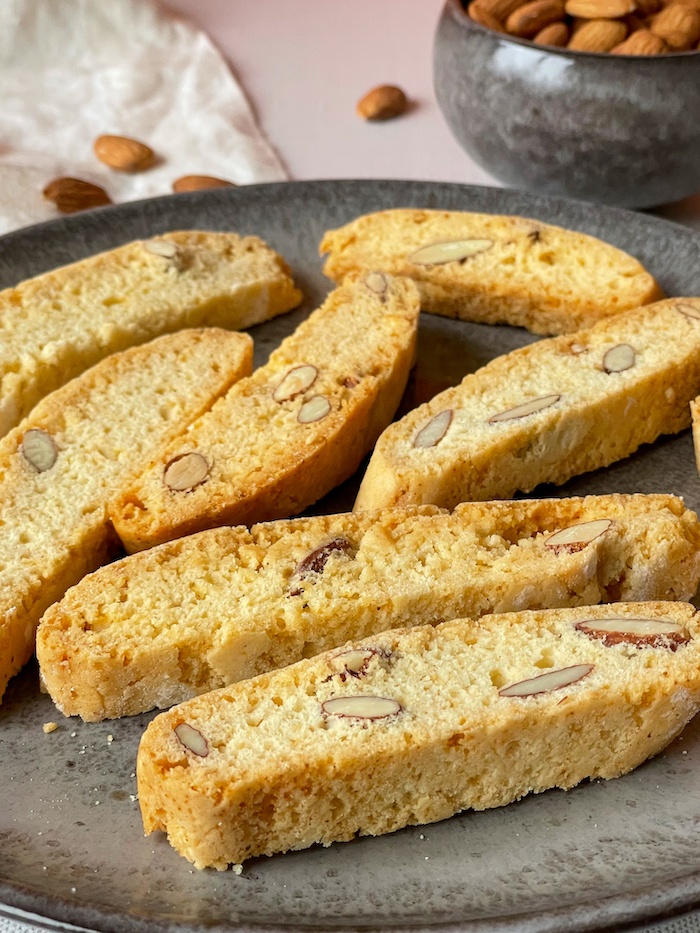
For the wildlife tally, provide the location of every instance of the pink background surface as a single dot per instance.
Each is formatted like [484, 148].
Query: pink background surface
[305, 63]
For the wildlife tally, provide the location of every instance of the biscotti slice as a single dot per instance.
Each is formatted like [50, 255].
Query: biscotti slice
[412, 726]
[57, 325]
[294, 430]
[202, 612]
[494, 269]
[544, 413]
[60, 466]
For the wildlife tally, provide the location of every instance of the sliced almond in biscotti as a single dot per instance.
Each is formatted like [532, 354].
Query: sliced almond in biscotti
[546, 412]
[55, 326]
[598, 35]
[442, 719]
[295, 429]
[60, 466]
[494, 269]
[223, 605]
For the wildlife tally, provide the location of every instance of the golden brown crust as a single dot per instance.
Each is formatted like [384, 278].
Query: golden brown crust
[97, 429]
[195, 614]
[268, 454]
[591, 417]
[534, 275]
[55, 326]
[269, 765]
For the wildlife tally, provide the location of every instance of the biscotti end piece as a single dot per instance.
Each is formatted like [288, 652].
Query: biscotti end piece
[294, 430]
[227, 604]
[544, 413]
[62, 464]
[494, 269]
[55, 326]
[412, 726]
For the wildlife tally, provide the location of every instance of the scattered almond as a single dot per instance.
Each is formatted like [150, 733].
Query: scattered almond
[433, 432]
[555, 34]
[192, 739]
[382, 103]
[437, 254]
[527, 408]
[185, 472]
[598, 35]
[361, 707]
[123, 153]
[314, 410]
[39, 449]
[199, 183]
[531, 18]
[546, 683]
[71, 195]
[49, 727]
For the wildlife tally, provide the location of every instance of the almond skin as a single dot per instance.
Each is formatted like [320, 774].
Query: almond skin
[199, 183]
[642, 42]
[599, 9]
[530, 19]
[484, 18]
[501, 9]
[555, 34]
[678, 26]
[598, 35]
[382, 103]
[71, 195]
[124, 154]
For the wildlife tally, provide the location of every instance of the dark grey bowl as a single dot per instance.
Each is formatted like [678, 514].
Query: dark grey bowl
[621, 130]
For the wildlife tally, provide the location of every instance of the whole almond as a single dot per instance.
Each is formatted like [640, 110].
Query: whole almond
[199, 183]
[123, 153]
[648, 7]
[382, 103]
[598, 35]
[678, 26]
[554, 34]
[71, 195]
[641, 42]
[484, 18]
[531, 18]
[693, 4]
[599, 9]
[501, 9]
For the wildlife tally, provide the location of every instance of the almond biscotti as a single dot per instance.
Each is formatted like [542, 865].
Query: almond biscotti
[201, 612]
[294, 430]
[60, 466]
[494, 269]
[57, 325]
[544, 413]
[412, 726]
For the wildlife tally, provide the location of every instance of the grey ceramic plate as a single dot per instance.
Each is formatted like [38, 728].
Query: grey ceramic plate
[71, 844]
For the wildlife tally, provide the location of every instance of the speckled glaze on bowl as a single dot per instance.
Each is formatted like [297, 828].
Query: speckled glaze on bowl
[620, 130]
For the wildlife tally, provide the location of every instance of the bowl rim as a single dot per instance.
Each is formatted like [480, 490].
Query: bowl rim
[459, 12]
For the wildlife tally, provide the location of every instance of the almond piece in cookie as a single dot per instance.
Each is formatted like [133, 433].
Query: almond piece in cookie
[295, 429]
[494, 269]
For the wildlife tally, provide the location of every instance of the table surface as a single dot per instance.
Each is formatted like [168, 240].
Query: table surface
[304, 65]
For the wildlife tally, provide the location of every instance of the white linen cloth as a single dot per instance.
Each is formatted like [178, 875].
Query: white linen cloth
[71, 70]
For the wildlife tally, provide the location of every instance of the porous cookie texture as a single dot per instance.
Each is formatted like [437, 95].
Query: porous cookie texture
[494, 269]
[299, 426]
[55, 326]
[414, 725]
[544, 413]
[162, 626]
[60, 466]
